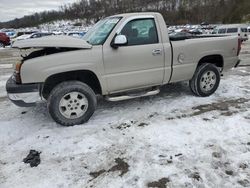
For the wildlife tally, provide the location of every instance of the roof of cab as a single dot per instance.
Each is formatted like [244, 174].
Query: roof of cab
[135, 14]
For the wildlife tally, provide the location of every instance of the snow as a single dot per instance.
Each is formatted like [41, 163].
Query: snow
[65, 26]
[3, 79]
[6, 66]
[190, 140]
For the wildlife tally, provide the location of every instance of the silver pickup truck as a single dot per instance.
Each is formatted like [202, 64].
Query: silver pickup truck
[122, 57]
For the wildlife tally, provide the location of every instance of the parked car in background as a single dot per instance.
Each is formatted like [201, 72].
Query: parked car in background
[196, 31]
[39, 35]
[234, 29]
[77, 34]
[215, 31]
[11, 34]
[4, 40]
[31, 36]
[22, 37]
[58, 32]
[20, 33]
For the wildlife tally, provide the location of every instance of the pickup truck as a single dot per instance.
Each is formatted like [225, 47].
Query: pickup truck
[122, 57]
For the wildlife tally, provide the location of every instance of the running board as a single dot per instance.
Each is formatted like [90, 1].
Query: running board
[132, 96]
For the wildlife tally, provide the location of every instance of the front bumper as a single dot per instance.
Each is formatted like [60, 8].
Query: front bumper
[23, 95]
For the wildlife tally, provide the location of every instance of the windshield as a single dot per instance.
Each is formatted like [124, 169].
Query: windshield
[101, 30]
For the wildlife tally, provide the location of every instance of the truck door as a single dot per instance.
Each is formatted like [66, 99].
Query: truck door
[139, 63]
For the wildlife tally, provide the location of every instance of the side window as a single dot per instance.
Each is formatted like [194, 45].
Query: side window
[244, 30]
[232, 30]
[222, 31]
[140, 32]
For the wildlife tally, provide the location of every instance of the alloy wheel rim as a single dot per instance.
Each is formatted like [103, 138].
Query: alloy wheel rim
[208, 81]
[73, 105]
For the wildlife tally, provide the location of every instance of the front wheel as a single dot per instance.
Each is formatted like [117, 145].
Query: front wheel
[206, 80]
[72, 103]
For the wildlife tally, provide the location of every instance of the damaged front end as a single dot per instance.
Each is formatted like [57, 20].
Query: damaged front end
[34, 48]
[31, 53]
[28, 94]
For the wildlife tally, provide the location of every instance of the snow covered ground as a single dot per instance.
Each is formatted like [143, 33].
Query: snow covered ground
[173, 139]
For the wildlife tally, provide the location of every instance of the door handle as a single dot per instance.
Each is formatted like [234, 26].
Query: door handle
[157, 52]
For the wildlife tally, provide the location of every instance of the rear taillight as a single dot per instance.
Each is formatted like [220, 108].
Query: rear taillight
[239, 46]
[17, 74]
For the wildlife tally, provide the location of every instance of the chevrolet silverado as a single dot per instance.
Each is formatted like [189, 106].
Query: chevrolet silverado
[122, 57]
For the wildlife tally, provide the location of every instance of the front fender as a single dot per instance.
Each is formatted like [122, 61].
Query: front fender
[37, 70]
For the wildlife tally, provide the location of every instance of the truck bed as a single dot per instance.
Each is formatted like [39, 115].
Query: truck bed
[186, 51]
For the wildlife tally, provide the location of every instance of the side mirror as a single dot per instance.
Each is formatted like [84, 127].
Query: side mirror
[119, 40]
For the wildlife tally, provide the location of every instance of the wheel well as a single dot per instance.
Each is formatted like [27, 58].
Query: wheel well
[85, 76]
[213, 59]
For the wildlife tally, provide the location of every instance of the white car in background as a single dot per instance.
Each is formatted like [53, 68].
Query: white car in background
[32, 36]
[58, 32]
[23, 37]
[76, 34]
[233, 29]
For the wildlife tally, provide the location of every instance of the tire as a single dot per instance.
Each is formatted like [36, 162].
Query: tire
[71, 103]
[2, 45]
[206, 80]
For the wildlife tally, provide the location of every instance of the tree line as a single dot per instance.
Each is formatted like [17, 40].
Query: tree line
[174, 11]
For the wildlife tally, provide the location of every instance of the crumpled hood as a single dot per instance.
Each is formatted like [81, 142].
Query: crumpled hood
[52, 41]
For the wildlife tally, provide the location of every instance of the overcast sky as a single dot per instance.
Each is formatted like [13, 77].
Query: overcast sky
[11, 9]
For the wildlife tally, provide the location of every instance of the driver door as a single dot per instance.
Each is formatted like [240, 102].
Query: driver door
[139, 63]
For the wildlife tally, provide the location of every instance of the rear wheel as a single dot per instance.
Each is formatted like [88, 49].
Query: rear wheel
[206, 80]
[72, 103]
